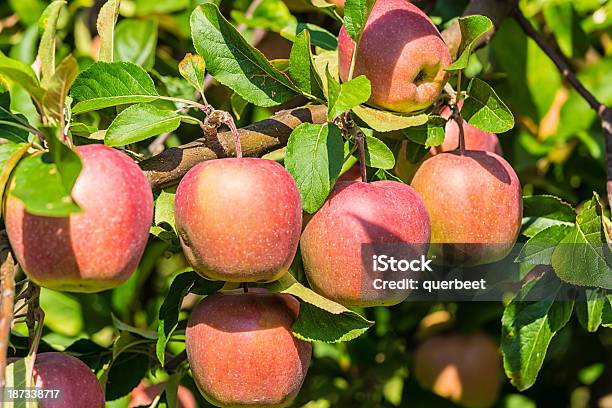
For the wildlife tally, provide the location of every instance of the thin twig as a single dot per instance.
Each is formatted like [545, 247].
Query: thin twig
[173, 364]
[7, 293]
[604, 112]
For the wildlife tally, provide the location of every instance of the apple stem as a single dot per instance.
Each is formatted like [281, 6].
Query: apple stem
[245, 287]
[229, 121]
[360, 142]
[459, 121]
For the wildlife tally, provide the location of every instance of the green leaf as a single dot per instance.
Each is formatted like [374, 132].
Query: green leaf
[314, 158]
[383, 121]
[63, 312]
[538, 249]
[319, 36]
[324, 62]
[39, 185]
[428, 134]
[302, 70]
[271, 15]
[356, 13]
[164, 209]
[193, 69]
[136, 41]
[170, 309]
[107, 18]
[485, 110]
[472, 30]
[140, 122]
[238, 105]
[543, 211]
[110, 84]
[10, 154]
[583, 257]
[234, 62]
[17, 377]
[590, 309]
[606, 315]
[54, 100]
[377, 154]
[14, 128]
[22, 74]
[320, 319]
[124, 327]
[528, 328]
[46, 49]
[66, 160]
[343, 98]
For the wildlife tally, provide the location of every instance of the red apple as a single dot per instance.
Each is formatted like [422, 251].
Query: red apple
[402, 54]
[98, 248]
[239, 220]
[463, 368]
[144, 395]
[242, 351]
[475, 204]
[357, 213]
[77, 384]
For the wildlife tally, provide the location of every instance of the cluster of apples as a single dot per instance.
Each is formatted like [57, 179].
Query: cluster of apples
[240, 220]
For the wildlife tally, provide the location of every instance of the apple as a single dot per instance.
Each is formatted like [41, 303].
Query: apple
[463, 368]
[239, 219]
[144, 395]
[475, 204]
[242, 351]
[96, 249]
[357, 213]
[403, 55]
[78, 386]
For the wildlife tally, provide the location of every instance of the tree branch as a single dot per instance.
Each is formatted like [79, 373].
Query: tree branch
[257, 139]
[7, 295]
[604, 112]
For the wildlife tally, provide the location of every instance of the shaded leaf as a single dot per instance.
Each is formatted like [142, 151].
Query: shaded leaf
[472, 29]
[136, 41]
[301, 67]
[54, 99]
[107, 18]
[193, 69]
[383, 121]
[10, 154]
[428, 134]
[590, 309]
[47, 24]
[543, 211]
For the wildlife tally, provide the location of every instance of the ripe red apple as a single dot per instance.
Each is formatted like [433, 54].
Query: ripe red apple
[239, 219]
[96, 249]
[463, 368]
[475, 204]
[356, 213]
[242, 351]
[403, 55]
[78, 385]
[144, 395]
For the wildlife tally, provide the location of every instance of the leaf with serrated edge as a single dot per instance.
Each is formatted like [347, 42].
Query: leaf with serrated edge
[22, 74]
[234, 62]
[485, 110]
[528, 328]
[583, 257]
[377, 154]
[46, 50]
[590, 310]
[472, 29]
[320, 319]
[193, 69]
[107, 18]
[314, 158]
[38, 184]
[350, 94]
[538, 249]
[356, 13]
[302, 70]
[110, 84]
[428, 134]
[383, 121]
[543, 211]
[140, 122]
